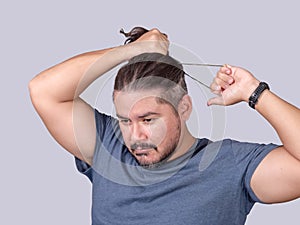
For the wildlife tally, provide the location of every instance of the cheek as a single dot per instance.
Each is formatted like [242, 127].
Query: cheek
[158, 132]
[174, 129]
[167, 131]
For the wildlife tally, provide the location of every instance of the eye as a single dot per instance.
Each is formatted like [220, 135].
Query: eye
[148, 120]
[125, 121]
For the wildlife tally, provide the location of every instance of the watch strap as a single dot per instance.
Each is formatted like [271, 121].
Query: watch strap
[253, 99]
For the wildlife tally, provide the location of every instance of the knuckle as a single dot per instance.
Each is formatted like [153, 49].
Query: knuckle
[155, 30]
[217, 80]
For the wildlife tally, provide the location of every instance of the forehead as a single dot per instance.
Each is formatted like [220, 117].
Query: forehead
[138, 102]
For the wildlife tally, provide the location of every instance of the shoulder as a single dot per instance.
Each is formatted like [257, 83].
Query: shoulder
[236, 152]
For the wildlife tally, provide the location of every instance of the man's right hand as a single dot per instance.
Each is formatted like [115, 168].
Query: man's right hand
[152, 41]
[55, 92]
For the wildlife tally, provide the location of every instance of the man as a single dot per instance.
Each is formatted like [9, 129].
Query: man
[146, 167]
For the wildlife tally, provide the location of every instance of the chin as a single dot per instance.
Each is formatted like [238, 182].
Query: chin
[152, 164]
[148, 163]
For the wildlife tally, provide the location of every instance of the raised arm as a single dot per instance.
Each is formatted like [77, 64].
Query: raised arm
[55, 92]
[277, 178]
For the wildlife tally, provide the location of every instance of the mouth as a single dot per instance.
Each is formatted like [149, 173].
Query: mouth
[142, 149]
[142, 152]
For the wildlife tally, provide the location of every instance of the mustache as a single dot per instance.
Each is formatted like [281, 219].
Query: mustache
[142, 146]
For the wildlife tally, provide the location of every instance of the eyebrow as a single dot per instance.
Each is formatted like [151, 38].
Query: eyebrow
[148, 114]
[141, 116]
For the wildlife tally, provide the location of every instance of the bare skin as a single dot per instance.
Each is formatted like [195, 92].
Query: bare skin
[55, 92]
[145, 121]
[277, 178]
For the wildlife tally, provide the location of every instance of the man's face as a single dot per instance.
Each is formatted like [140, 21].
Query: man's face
[151, 130]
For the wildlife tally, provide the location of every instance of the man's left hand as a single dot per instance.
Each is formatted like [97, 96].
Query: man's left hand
[232, 85]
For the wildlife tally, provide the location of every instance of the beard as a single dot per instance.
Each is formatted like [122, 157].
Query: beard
[163, 158]
[162, 154]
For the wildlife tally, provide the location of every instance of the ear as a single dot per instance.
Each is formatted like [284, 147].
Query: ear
[185, 107]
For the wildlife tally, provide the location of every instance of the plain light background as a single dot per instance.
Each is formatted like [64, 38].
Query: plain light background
[39, 182]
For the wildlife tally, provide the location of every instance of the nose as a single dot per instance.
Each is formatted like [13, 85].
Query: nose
[139, 132]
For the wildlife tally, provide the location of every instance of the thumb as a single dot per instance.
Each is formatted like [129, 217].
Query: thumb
[216, 101]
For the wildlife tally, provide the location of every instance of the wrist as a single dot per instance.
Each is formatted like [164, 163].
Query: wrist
[251, 88]
[253, 99]
[130, 50]
[124, 53]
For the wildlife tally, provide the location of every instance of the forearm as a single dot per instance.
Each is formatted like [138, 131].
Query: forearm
[284, 117]
[234, 84]
[67, 80]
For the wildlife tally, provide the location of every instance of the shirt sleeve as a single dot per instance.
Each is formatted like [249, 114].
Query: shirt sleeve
[84, 168]
[248, 157]
[103, 123]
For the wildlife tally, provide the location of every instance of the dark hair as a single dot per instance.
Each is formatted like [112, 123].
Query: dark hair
[134, 34]
[152, 71]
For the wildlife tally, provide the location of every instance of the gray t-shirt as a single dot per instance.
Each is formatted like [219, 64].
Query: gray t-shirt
[209, 185]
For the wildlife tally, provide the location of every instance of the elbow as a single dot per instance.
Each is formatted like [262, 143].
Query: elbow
[35, 91]
[32, 86]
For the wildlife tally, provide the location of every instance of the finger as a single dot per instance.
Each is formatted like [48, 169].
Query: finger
[165, 35]
[215, 87]
[164, 38]
[226, 69]
[216, 101]
[155, 30]
[221, 83]
[217, 92]
[166, 44]
[228, 79]
[160, 34]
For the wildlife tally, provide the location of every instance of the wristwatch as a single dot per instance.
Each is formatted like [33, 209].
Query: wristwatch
[255, 95]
